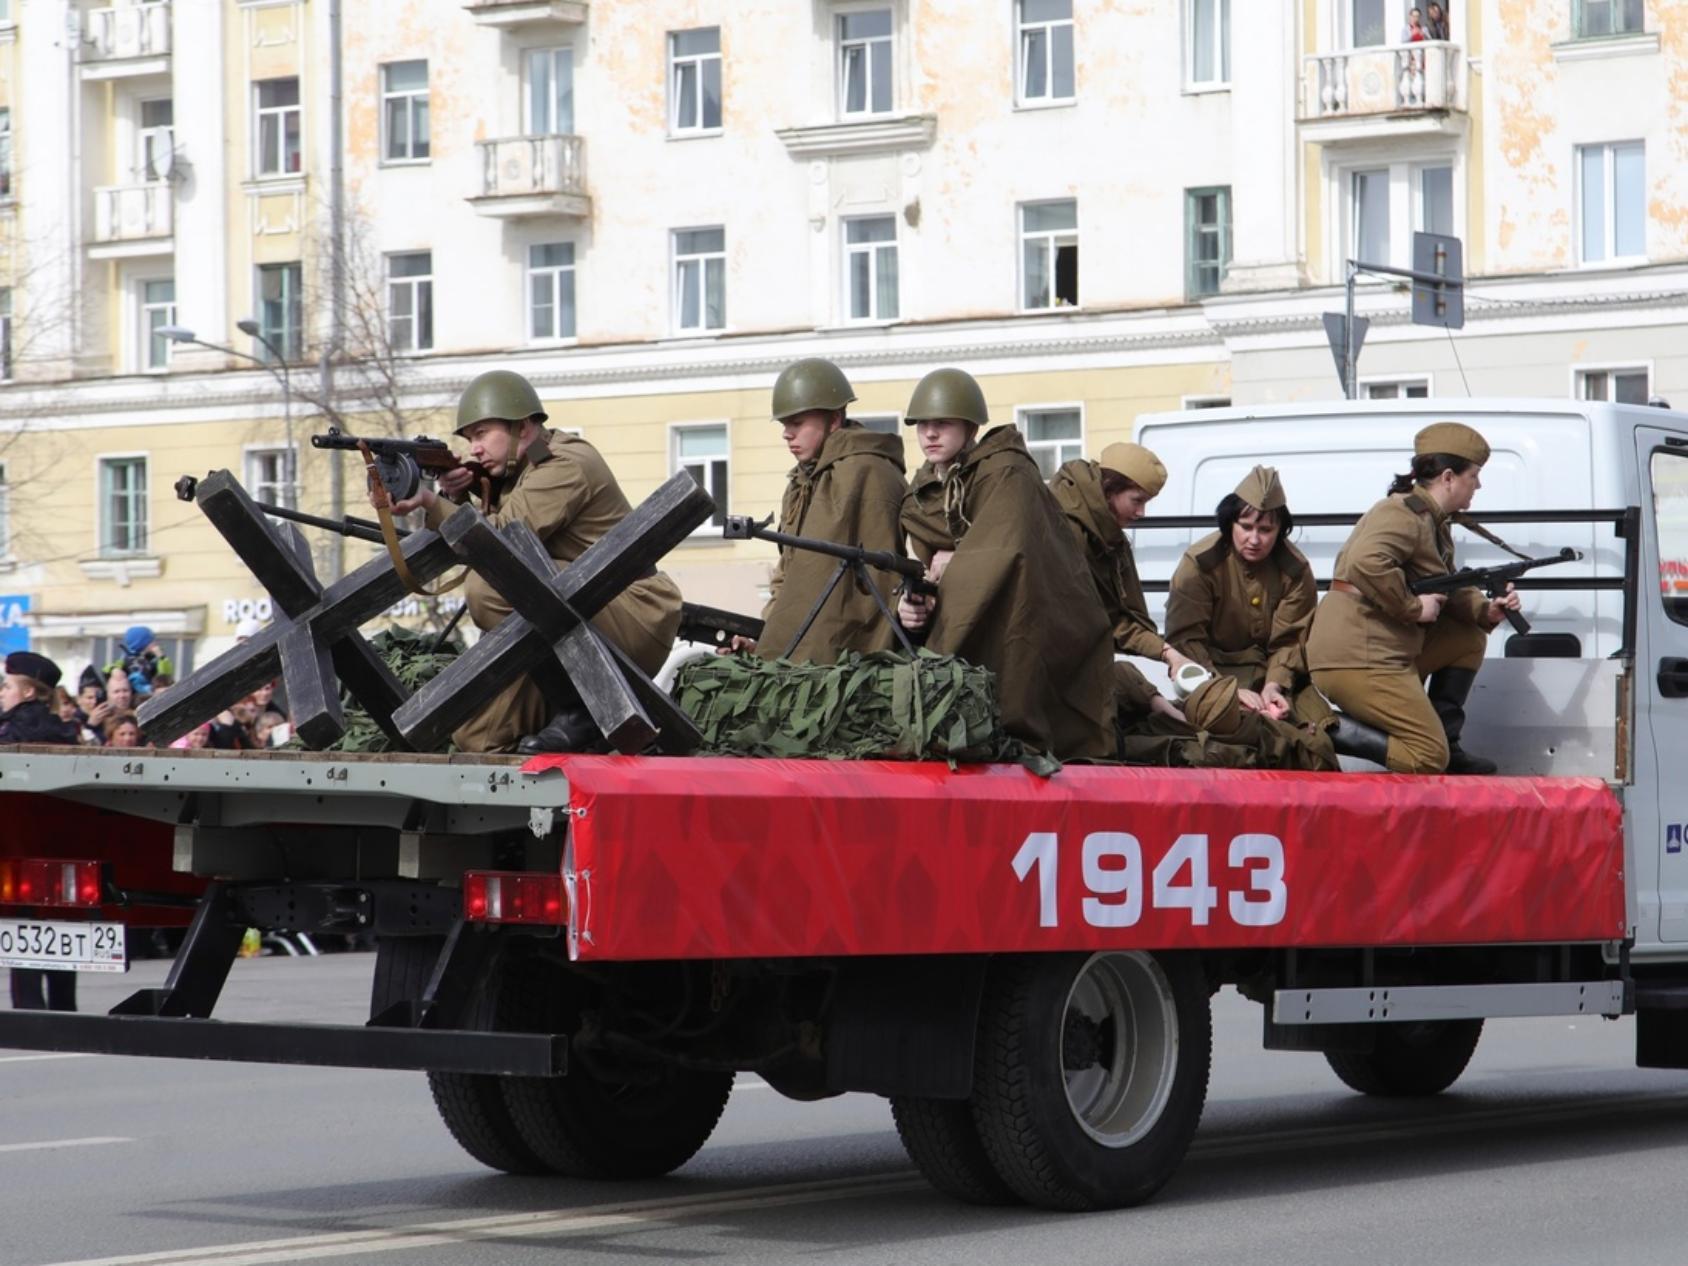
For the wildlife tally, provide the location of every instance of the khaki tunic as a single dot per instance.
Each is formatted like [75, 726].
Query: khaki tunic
[1107, 552]
[852, 494]
[563, 489]
[1246, 619]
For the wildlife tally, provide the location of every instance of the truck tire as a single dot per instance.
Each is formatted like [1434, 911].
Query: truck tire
[1091, 1073]
[942, 1140]
[470, 1104]
[1409, 1060]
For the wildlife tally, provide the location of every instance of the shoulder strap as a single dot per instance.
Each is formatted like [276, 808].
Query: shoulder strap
[1477, 529]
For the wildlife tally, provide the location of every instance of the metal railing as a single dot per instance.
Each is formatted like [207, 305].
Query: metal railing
[520, 166]
[133, 30]
[131, 213]
[1384, 79]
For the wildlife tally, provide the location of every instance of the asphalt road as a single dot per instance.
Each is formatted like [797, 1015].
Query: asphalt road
[1552, 1148]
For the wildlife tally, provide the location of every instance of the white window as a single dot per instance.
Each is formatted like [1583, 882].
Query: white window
[701, 451]
[1207, 42]
[404, 111]
[281, 309]
[410, 301]
[550, 91]
[1433, 199]
[1370, 215]
[156, 139]
[1615, 386]
[694, 81]
[1368, 23]
[870, 268]
[1597, 19]
[5, 334]
[158, 309]
[879, 423]
[5, 514]
[1053, 436]
[1381, 207]
[1404, 389]
[864, 62]
[1612, 184]
[1048, 254]
[5, 152]
[1045, 63]
[123, 505]
[272, 476]
[551, 290]
[278, 126]
[700, 279]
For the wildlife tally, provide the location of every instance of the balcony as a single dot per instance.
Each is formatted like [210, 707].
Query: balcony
[131, 220]
[512, 15]
[1388, 90]
[532, 176]
[132, 39]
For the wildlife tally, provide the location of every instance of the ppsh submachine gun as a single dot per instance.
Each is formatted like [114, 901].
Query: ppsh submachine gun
[400, 465]
[1493, 580]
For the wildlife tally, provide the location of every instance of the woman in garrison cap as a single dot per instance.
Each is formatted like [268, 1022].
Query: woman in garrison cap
[1374, 641]
[1242, 600]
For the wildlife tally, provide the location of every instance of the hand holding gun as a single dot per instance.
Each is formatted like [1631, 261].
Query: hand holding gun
[400, 466]
[1496, 581]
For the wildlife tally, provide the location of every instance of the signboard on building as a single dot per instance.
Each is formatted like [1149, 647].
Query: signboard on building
[14, 629]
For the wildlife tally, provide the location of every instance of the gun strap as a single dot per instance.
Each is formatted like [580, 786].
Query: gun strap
[1477, 529]
[389, 533]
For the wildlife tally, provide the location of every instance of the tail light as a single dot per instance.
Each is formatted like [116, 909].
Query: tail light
[509, 896]
[29, 881]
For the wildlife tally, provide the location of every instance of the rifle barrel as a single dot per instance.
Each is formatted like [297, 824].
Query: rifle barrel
[906, 567]
[357, 529]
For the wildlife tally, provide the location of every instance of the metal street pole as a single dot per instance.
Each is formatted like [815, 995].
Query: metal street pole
[1349, 385]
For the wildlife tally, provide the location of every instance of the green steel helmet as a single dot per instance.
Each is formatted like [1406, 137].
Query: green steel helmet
[948, 393]
[499, 394]
[810, 383]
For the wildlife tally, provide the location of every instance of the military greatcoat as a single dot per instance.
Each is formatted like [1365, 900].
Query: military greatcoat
[1248, 620]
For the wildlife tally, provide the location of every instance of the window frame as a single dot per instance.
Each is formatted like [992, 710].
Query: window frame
[872, 250]
[7, 175]
[1674, 606]
[262, 115]
[1049, 236]
[8, 333]
[558, 54]
[289, 488]
[1024, 411]
[841, 47]
[1022, 60]
[414, 283]
[149, 166]
[1608, 166]
[5, 515]
[1192, 229]
[1205, 400]
[1221, 51]
[1580, 372]
[677, 287]
[1579, 12]
[556, 272]
[416, 102]
[711, 526]
[675, 60]
[102, 518]
[1405, 200]
[866, 420]
[293, 307]
[144, 308]
[1402, 383]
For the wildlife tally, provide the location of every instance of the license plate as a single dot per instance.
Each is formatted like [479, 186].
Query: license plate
[64, 946]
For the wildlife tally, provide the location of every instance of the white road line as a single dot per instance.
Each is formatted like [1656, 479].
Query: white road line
[24, 1059]
[546, 1222]
[49, 1144]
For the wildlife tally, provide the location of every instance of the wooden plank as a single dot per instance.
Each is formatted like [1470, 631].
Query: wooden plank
[212, 687]
[313, 694]
[289, 579]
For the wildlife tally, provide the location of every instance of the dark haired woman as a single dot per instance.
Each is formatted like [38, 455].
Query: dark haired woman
[1374, 641]
[1242, 599]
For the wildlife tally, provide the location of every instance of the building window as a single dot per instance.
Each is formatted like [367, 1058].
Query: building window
[5, 514]
[278, 126]
[701, 451]
[870, 267]
[1612, 182]
[551, 290]
[550, 91]
[5, 334]
[1597, 19]
[404, 111]
[1615, 386]
[1048, 254]
[158, 309]
[410, 301]
[157, 139]
[1207, 241]
[864, 62]
[272, 476]
[1435, 201]
[123, 505]
[281, 309]
[1053, 436]
[1207, 402]
[5, 152]
[1207, 39]
[1045, 70]
[1368, 23]
[879, 423]
[1369, 215]
[694, 80]
[1406, 389]
[700, 279]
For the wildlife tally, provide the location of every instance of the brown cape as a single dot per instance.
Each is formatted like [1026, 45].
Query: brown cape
[851, 495]
[1078, 488]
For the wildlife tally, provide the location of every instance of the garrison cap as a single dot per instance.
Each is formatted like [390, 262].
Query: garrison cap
[1453, 438]
[1137, 464]
[1213, 706]
[1260, 488]
[35, 667]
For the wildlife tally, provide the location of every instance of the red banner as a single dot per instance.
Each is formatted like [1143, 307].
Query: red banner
[736, 858]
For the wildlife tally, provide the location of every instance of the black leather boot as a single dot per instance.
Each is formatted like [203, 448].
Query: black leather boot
[571, 730]
[1356, 738]
[1448, 691]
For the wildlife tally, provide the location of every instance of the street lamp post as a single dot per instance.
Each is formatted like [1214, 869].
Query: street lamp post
[182, 334]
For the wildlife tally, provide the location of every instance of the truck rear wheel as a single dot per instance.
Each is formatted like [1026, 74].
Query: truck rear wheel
[1409, 1060]
[942, 1140]
[1091, 1074]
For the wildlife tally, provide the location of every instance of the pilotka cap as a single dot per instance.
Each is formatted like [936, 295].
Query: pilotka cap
[1213, 706]
[1137, 464]
[1453, 438]
[1261, 489]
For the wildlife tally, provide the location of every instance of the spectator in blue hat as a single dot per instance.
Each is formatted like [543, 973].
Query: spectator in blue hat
[141, 662]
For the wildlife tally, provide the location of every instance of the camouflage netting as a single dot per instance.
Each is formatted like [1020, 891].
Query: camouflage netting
[414, 662]
[881, 706]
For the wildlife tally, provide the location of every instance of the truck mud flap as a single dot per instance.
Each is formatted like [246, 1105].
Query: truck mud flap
[905, 1026]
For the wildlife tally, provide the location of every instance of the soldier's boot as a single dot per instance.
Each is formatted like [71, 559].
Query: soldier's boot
[571, 730]
[1448, 691]
[1355, 738]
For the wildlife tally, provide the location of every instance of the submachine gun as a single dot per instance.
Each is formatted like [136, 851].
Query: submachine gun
[1493, 580]
[401, 465]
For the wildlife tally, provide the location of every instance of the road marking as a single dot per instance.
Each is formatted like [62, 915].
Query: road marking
[626, 1214]
[49, 1144]
[24, 1059]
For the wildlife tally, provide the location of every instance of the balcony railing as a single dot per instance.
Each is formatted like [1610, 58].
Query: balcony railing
[532, 175]
[1387, 79]
[133, 213]
[127, 31]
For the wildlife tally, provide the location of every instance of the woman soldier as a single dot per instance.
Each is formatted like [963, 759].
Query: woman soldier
[1242, 599]
[1374, 641]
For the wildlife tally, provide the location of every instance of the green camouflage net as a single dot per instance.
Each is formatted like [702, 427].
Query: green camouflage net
[414, 662]
[880, 706]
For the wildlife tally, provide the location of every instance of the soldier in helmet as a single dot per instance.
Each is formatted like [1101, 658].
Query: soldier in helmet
[1013, 593]
[847, 487]
[560, 486]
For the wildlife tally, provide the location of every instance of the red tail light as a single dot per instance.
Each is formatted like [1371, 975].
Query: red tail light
[29, 881]
[508, 896]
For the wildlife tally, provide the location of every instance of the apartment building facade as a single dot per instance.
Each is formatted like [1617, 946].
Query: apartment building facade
[649, 207]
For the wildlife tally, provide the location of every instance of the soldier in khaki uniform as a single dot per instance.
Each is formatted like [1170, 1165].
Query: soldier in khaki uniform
[561, 487]
[1242, 600]
[847, 487]
[1374, 641]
